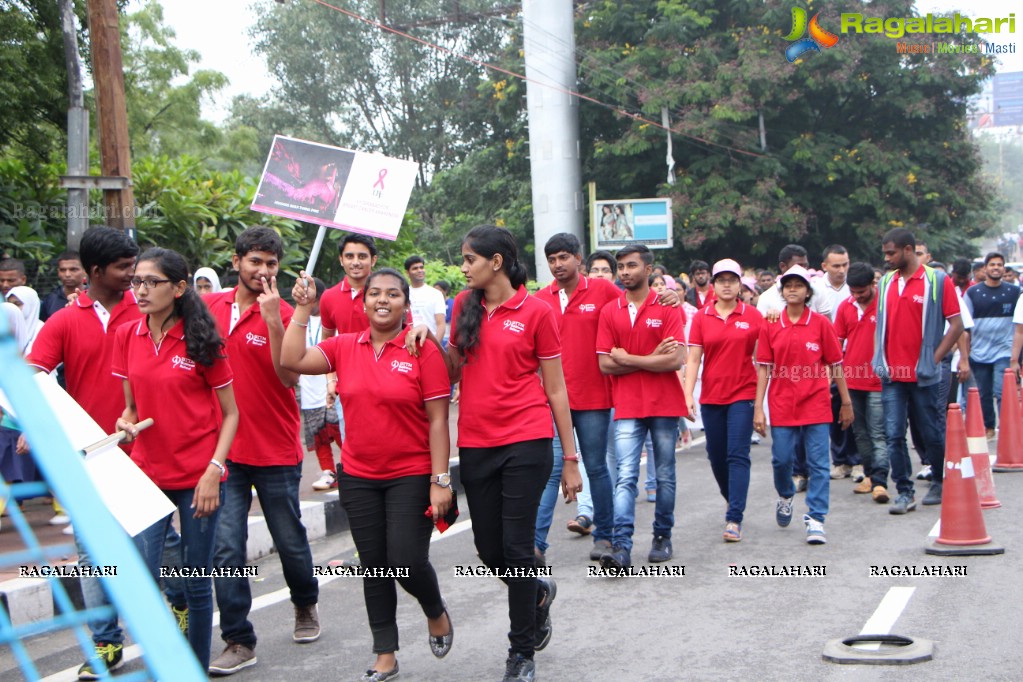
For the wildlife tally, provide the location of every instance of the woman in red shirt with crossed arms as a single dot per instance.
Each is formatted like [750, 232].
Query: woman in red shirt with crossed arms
[175, 371]
[394, 461]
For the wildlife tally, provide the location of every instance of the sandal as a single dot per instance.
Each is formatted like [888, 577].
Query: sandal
[440, 645]
[733, 532]
[581, 524]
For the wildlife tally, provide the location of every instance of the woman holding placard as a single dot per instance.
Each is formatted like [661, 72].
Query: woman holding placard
[175, 371]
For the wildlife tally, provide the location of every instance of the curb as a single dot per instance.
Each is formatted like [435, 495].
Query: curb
[29, 600]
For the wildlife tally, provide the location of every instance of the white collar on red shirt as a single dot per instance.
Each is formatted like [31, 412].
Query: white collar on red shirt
[584, 283]
[104, 315]
[804, 320]
[623, 300]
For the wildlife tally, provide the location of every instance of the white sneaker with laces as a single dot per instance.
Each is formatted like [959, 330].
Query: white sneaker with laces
[925, 473]
[814, 531]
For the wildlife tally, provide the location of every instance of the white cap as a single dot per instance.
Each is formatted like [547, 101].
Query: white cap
[796, 271]
[726, 265]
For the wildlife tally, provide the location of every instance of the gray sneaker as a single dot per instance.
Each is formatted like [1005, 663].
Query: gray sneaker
[783, 511]
[660, 549]
[307, 624]
[905, 502]
[814, 531]
[235, 657]
[933, 495]
[518, 668]
[600, 547]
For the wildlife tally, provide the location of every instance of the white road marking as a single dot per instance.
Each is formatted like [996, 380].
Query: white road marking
[887, 612]
[935, 530]
[134, 651]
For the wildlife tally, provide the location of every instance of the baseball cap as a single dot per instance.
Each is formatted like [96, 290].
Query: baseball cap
[796, 271]
[726, 265]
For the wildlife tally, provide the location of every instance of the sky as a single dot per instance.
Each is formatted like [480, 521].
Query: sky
[219, 31]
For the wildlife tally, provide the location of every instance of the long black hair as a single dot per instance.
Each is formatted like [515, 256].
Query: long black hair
[202, 340]
[487, 241]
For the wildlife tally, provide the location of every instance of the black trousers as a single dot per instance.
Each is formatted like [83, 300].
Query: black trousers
[503, 486]
[391, 530]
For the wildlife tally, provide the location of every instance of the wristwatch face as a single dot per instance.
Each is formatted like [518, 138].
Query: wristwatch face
[442, 479]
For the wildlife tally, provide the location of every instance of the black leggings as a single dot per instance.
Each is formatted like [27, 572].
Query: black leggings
[390, 529]
[503, 487]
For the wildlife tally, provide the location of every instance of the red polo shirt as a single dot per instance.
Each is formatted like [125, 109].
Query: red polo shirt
[904, 332]
[76, 337]
[800, 388]
[727, 343]
[642, 394]
[857, 330]
[502, 399]
[341, 312]
[177, 393]
[588, 387]
[383, 396]
[268, 426]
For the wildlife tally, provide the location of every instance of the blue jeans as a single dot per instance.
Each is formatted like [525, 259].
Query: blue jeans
[197, 540]
[277, 488]
[728, 429]
[591, 427]
[944, 386]
[651, 465]
[629, 437]
[900, 399]
[814, 437]
[106, 630]
[843, 445]
[868, 429]
[989, 377]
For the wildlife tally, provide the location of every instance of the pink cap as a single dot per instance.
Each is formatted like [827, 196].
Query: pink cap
[749, 283]
[796, 271]
[726, 265]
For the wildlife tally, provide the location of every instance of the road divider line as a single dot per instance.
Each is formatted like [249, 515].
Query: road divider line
[887, 612]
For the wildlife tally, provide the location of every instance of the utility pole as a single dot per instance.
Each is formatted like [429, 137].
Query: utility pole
[112, 115]
[77, 130]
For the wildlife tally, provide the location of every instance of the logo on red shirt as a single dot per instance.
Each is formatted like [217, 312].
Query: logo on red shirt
[812, 347]
[514, 326]
[186, 364]
[654, 323]
[255, 339]
[918, 299]
[399, 366]
[587, 307]
[742, 325]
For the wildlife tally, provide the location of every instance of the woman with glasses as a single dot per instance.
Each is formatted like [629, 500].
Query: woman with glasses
[174, 370]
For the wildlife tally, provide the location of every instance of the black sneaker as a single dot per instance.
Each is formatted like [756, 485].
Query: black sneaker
[933, 495]
[518, 668]
[600, 547]
[112, 657]
[905, 502]
[615, 559]
[542, 633]
[660, 550]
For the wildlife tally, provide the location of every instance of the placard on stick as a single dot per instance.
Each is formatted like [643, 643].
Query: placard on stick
[335, 187]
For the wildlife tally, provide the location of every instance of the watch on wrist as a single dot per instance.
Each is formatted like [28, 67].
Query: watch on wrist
[443, 480]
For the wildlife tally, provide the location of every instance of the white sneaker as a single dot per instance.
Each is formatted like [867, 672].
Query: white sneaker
[814, 531]
[925, 473]
[68, 530]
[755, 438]
[327, 481]
[59, 520]
[857, 473]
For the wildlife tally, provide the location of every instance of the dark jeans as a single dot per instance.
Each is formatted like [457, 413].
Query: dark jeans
[843, 445]
[945, 398]
[502, 487]
[197, 539]
[277, 488]
[901, 399]
[989, 377]
[728, 429]
[390, 530]
[868, 429]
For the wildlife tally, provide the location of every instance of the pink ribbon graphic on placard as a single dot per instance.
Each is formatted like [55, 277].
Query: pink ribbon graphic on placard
[380, 178]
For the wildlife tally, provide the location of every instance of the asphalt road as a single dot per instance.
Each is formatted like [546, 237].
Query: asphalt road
[704, 625]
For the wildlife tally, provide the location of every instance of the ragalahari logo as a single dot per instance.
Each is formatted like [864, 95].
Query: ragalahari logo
[817, 39]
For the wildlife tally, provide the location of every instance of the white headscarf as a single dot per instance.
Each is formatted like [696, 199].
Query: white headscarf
[30, 312]
[16, 323]
[211, 275]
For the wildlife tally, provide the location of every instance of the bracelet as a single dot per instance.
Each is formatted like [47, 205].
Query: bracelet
[303, 326]
[219, 466]
[570, 458]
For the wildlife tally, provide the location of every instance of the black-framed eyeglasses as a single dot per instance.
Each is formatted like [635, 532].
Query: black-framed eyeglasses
[148, 282]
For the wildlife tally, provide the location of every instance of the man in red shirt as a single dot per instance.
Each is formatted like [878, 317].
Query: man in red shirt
[856, 324]
[701, 292]
[266, 452]
[641, 344]
[81, 336]
[577, 301]
[914, 301]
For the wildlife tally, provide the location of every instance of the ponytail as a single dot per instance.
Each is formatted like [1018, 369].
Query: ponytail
[487, 241]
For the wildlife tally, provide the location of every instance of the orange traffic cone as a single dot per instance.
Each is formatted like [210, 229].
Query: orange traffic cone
[1010, 442]
[976, 443]
[962, 522]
